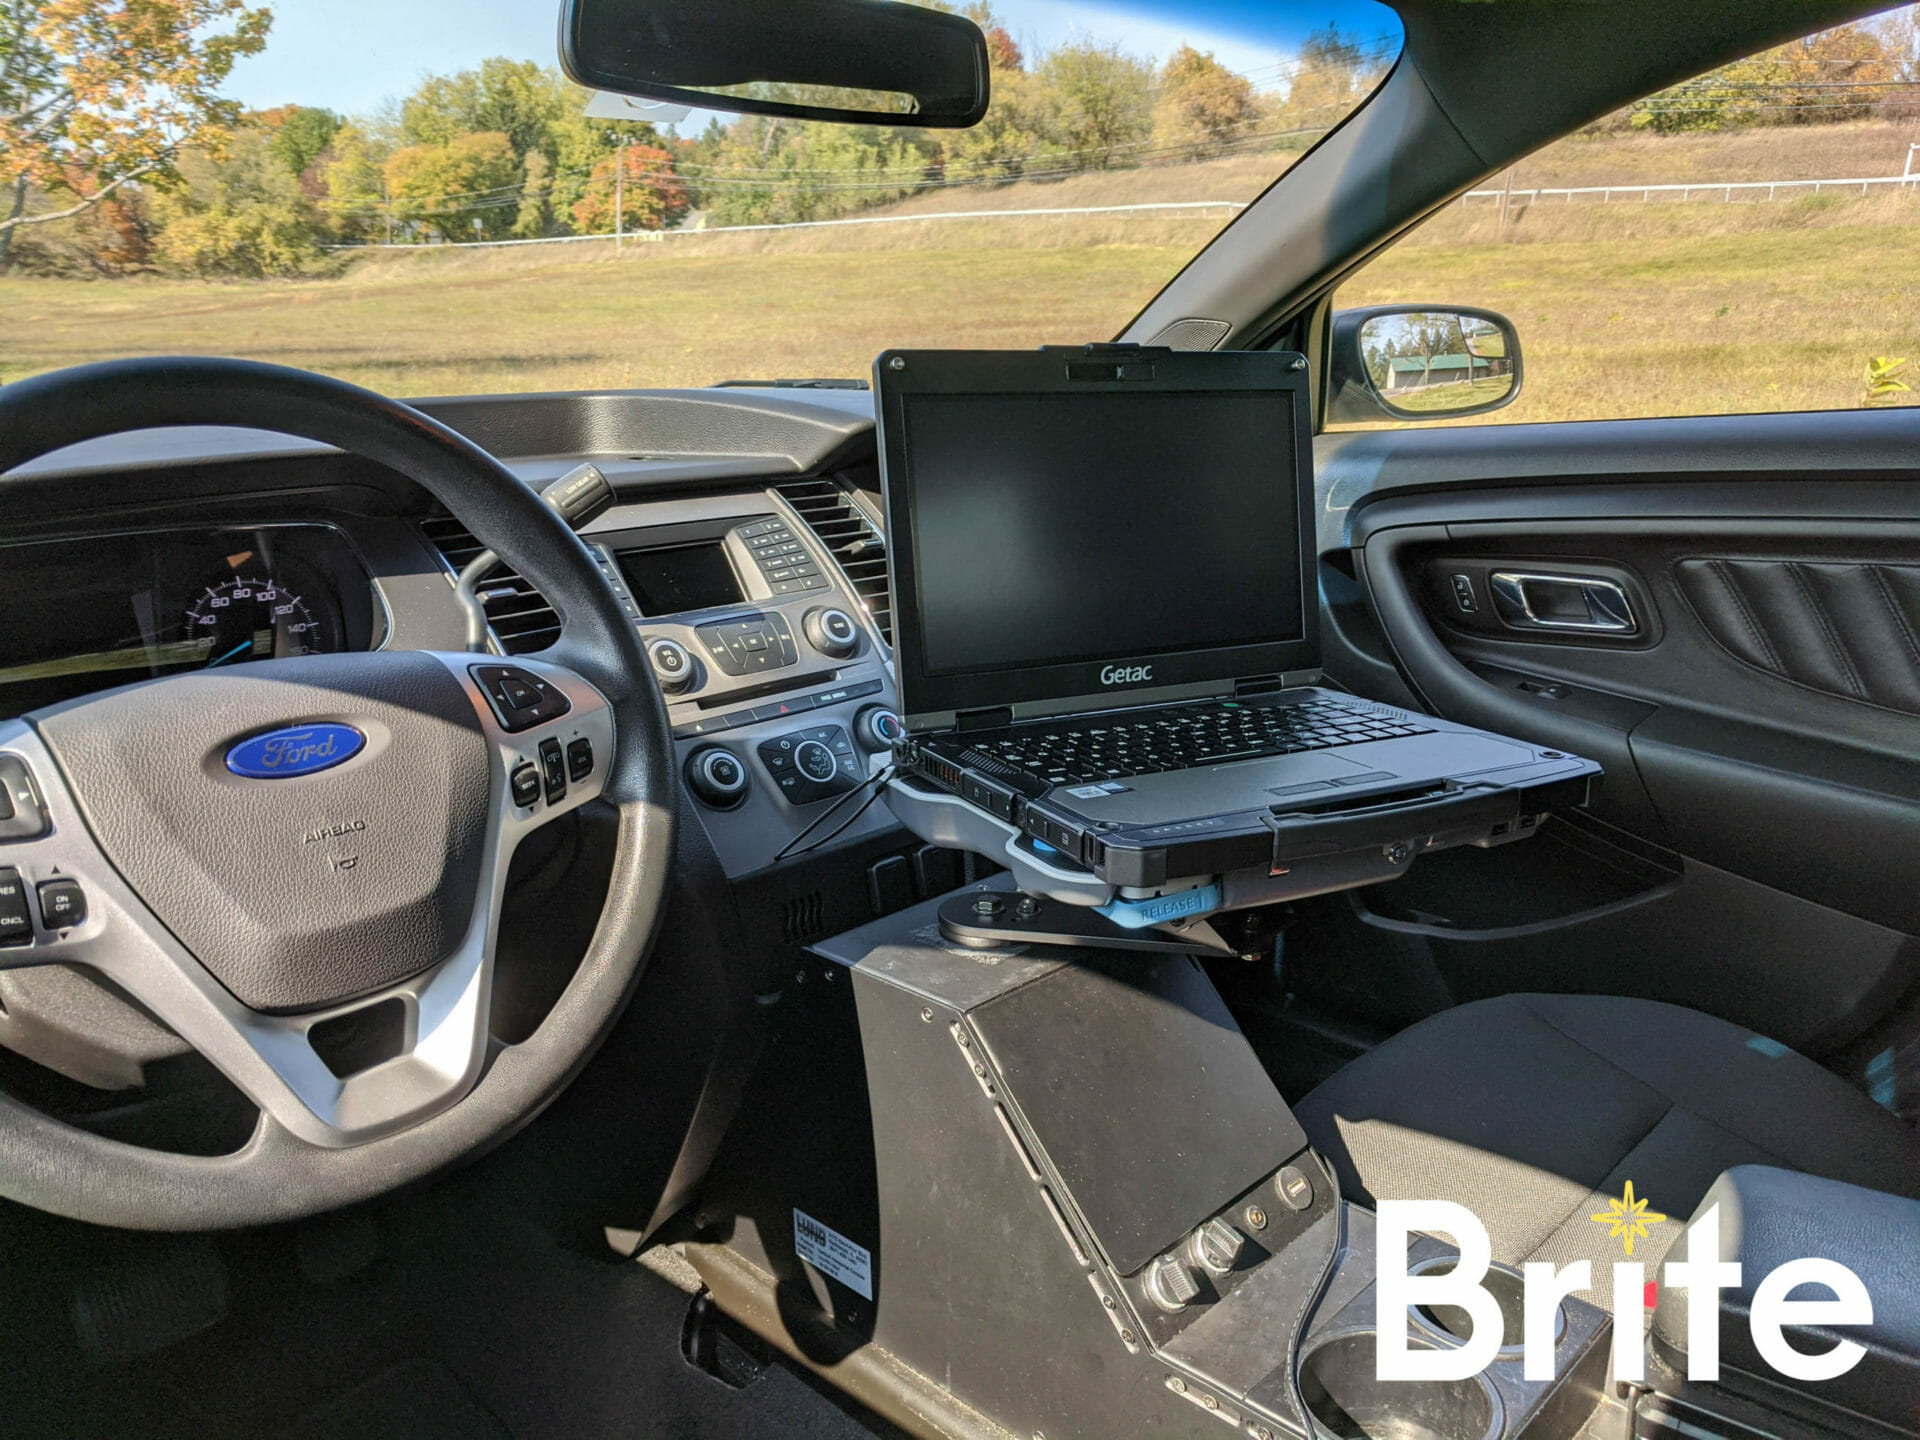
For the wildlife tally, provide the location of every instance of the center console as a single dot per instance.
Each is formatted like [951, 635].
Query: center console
[1035, 1190]
[775, 677]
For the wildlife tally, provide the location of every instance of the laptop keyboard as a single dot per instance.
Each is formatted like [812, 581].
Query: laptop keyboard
[1101, 748]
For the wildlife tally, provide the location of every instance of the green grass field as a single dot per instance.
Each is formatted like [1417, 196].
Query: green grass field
[1622, 310]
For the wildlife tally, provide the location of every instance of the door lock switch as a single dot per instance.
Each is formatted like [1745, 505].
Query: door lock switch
[1463, 595]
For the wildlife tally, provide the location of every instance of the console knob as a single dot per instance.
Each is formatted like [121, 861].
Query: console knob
[876, 728]
[831, 632]
[814, 760]
[1171, 1284]
[672, 665]
[717, 777]
[1215, 1246]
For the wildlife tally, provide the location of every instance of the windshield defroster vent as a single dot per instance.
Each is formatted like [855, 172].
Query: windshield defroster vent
[856, 545]
[519, 615]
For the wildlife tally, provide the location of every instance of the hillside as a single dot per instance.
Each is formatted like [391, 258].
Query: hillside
[1623, 309]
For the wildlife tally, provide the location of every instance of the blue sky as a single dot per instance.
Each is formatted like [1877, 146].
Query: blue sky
[350, 55]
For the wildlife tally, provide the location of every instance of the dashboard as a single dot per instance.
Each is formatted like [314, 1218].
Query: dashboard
[744, 546]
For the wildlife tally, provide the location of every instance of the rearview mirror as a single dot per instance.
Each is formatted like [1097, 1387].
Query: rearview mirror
[870, 62]
[1409, 362]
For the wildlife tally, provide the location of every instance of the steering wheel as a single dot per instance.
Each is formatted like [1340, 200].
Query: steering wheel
[267, 849]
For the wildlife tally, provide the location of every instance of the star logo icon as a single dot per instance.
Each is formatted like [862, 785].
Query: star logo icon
[1627, 1218]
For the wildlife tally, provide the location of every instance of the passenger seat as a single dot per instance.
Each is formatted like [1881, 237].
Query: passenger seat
[1534, 1110]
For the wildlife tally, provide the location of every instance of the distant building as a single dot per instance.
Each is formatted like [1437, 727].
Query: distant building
[1410, 372]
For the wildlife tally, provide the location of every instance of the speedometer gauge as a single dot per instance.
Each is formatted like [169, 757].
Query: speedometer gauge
[245, 618]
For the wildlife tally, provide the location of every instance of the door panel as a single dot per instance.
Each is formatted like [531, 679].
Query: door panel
[1742, 654]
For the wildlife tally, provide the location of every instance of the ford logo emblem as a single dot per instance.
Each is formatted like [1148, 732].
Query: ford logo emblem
[300, 750]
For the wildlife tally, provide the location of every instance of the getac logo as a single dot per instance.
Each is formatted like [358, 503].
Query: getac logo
[1124, 675]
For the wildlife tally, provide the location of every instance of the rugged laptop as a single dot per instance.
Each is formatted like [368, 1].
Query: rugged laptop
[1106, 621]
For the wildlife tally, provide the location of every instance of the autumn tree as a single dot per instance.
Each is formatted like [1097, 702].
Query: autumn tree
[1105, 100]
[652, 198]
[353, 179]
[1203, 106]
[98, 94]
[302, 136]
[241, 213]
[1333, 74]
[466, 188]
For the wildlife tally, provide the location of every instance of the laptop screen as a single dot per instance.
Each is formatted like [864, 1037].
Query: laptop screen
[1066, 539]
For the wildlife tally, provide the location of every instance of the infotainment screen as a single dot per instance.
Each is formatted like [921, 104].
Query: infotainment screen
[680, 578]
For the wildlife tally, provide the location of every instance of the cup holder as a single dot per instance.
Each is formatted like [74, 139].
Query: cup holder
[1450, 1323]
[1338, 1383]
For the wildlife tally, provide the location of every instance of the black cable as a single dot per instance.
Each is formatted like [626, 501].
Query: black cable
[877, 780]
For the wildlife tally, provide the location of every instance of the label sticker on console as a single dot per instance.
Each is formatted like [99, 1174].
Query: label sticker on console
[833, 1254]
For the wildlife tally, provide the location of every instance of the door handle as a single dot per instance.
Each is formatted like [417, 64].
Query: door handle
[1575, 604]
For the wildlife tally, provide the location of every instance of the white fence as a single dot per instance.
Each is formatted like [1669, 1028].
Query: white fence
[1751, 190]
[1200, 208]
[1711, 190]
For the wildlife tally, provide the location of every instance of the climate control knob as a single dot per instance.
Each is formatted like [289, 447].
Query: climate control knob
[815, 761]
[717, 777]
[831, 632]
[877, 727]
[672, 665]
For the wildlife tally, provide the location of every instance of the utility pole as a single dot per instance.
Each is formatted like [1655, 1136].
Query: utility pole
[1506, 202]
[620, 194]
[386, 203]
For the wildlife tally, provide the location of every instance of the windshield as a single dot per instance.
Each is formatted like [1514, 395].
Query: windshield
[411, 196]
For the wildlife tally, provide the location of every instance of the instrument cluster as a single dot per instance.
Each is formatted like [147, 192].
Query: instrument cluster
[87, 614]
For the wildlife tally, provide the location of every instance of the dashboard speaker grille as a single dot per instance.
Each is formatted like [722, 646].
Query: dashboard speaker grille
[519, 615]
[856, 545]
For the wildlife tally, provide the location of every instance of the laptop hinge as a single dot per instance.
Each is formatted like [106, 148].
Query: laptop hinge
[1258, 685]
[992, 717]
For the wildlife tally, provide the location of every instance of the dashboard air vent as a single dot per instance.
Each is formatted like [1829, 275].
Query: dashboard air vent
[856, 545]
[519, 615]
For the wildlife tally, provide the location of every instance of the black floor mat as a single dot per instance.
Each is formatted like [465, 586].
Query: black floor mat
[470, 1322]
[415, 1400]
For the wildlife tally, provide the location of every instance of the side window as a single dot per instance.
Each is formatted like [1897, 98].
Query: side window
[1742, 242]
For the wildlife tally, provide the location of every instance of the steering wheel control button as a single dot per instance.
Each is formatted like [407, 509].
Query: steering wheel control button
[22, 817]
[1216, 1246]
[1170, 1284]
[63, 904]
[877, 728]
[526, 785]
[672, 665]
[831, 632]
[771, 647]
[553, 770]
[579, 760]
[810, 765]
[16, 922]
[717, 778]
[1293, 1187]
[520, 698]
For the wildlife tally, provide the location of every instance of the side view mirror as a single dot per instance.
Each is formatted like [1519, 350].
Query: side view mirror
[869, 62]
[1416, 362]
